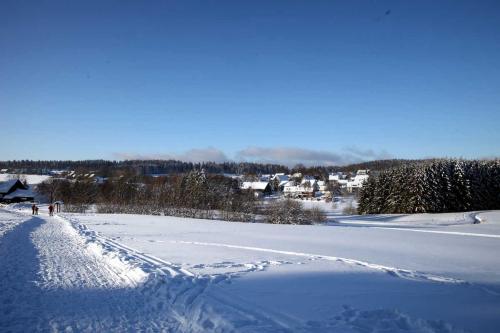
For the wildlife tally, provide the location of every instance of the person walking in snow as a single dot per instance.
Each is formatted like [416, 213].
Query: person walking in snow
[33, 208]
[36, 210]
[51, 210]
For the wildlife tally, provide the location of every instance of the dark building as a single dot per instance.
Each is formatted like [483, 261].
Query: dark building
[15, 191]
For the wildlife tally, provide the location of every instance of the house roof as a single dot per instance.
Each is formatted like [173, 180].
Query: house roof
[20, 193]
[309, 179]
[254, 185]
[264, 178]
[7, 185]
[281, 177]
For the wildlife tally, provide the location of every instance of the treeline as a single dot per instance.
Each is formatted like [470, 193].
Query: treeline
[377, 165]
[194, 194]
[433, 186]
[141, 167]
[322, 172]
[148, 167]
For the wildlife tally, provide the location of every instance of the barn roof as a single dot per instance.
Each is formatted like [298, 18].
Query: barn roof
[7, 185]
[20, 193]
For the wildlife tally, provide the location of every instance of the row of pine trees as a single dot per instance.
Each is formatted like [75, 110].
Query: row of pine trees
[434, 186]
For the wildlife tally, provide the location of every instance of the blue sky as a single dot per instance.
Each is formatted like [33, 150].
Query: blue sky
[314, 81]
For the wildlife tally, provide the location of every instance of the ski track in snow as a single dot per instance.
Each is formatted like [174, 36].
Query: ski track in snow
[56, 275]
[398, 272]
[456, 233]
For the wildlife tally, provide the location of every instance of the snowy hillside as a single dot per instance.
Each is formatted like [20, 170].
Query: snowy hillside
[391, 273]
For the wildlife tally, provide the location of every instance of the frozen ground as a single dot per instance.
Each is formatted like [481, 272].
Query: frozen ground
[396, 273]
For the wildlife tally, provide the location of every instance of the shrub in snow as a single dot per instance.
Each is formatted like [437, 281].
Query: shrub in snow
[349, 209]
[315, 214]
[286, 211]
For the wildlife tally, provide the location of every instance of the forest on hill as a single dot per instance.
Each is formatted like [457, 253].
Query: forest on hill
[434, 186]
[147, 167]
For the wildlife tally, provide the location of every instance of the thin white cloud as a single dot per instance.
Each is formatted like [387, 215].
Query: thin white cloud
[209, 154]
[289, 156]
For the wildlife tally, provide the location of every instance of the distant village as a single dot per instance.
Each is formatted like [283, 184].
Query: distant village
[300, 186]
[296, 185]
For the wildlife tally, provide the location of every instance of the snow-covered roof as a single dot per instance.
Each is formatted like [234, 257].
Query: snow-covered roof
[282, 177]
[20, 193]
[232, 175]
[264, 178]
[309, 179]
[254, 185]
[333, 177]
[7, 185]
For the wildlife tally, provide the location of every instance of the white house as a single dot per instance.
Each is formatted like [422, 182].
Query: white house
[322, 186]
[335, 177]
[358, 180]
[259, 187]
[307, 188]
[280, 179]
[291, 189]
[338, 178]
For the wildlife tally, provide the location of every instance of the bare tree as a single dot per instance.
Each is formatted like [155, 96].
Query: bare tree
[49, 188]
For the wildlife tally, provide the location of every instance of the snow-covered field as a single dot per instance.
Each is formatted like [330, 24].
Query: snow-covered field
[31, 179]
[391, 273]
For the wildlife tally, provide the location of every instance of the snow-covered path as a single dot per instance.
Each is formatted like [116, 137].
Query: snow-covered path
[53, 279]
[51, 282]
